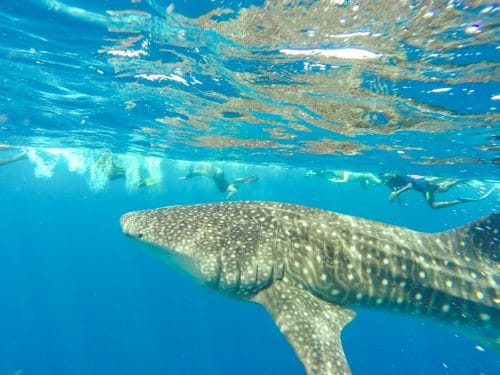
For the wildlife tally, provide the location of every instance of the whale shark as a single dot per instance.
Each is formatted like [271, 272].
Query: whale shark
[312, 268]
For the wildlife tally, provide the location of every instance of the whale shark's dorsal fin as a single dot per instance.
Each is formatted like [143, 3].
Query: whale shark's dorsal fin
[484, 235]
[478, 239]
[311, 325]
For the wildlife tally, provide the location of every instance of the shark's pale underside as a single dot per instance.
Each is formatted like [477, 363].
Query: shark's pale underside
[311, 267]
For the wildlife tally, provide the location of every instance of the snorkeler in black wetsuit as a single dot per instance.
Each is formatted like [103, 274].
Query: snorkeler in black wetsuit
[427, 186]
[216, 174]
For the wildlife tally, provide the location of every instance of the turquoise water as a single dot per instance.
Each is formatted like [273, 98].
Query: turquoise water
[274, 89]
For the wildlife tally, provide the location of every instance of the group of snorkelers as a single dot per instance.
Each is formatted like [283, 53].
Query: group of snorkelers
[108, 167]
[117, 170]
[105, 167]
[397, 183]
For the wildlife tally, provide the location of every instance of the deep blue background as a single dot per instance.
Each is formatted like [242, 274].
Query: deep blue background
[78, 297]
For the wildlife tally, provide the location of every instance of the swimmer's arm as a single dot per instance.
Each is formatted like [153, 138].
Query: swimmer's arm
[396, 193]
[345, 177]
[374, 179]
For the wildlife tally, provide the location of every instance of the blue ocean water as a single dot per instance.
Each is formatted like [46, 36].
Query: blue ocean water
[159, 86]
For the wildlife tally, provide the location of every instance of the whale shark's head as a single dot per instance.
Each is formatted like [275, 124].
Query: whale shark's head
[171, 228]
[226, 243]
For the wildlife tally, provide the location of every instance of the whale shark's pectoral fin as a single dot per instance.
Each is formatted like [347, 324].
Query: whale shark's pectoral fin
[311, 325]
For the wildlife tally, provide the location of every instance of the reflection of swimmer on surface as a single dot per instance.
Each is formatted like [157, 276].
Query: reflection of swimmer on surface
[115, 169]
[22, 155]
[426, 185]
[216, 174]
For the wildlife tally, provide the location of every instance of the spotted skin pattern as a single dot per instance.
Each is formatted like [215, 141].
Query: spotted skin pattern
[311, 267]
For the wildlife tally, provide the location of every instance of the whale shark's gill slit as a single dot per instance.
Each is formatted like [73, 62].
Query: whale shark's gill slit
[273, 257]
[262, 252]
[256, 274]
[238, 279]
[219, 268]
[280, 255]
[433, 302]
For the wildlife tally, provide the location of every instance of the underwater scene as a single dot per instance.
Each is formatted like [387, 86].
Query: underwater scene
[250, 187]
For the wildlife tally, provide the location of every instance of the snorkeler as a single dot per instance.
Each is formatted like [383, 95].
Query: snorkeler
[216, 174]
[364, 178]
[428, 186]
[343, 176]
[22, 155]
[115, 169]
[326, 173]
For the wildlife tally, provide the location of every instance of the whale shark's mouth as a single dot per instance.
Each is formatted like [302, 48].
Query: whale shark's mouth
[137, 225]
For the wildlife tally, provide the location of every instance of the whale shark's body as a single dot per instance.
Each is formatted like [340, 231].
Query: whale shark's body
[311, 267]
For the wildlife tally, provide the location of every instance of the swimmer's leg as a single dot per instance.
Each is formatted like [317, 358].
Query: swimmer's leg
[445, 203]
[21, 156]
[446, 185]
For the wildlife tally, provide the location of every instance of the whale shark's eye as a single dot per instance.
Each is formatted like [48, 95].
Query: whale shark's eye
[139, 235]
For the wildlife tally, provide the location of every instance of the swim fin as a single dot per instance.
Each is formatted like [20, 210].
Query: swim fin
[484, 196]
[150, 181]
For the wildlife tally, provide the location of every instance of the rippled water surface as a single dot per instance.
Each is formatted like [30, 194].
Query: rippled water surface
[391, 83]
